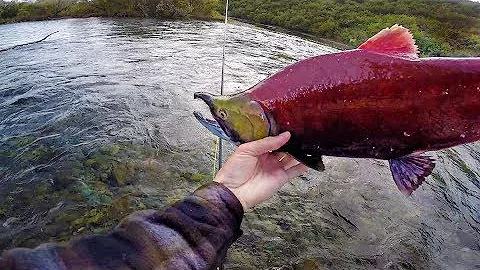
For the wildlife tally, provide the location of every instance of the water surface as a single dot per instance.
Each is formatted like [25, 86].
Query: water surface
[96, 122]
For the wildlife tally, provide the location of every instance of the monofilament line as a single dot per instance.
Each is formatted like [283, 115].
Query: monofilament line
[220, 144]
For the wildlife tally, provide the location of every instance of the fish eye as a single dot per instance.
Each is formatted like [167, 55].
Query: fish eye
[223, 114]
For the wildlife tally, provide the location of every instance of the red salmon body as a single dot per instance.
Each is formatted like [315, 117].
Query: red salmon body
[365, 104]
[378, 101]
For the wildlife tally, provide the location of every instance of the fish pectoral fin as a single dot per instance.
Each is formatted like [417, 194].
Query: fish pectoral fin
[396, 41]
[410, 171]
[314, 162]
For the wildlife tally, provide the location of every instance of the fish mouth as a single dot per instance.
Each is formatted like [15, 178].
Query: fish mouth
[211, 125]
[207, 98]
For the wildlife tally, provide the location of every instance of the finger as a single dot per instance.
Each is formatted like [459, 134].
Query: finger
[296, 170]
[265, 145]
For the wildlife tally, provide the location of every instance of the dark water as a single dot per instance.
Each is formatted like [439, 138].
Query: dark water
[95, 122]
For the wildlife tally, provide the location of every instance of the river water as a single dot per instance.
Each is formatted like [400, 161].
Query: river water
[96, 122]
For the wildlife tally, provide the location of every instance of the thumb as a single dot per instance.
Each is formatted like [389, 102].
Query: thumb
[265, 145]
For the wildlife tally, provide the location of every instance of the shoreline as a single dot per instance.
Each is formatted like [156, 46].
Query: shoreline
[317, 39]
[310, 37]
[213, 19]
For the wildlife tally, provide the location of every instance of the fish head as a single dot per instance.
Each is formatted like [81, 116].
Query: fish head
[237, 118]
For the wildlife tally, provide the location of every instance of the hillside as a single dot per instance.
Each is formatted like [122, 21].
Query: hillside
[440, 27]
[165, 9]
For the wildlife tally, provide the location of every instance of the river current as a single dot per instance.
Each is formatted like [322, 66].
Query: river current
[96, 122]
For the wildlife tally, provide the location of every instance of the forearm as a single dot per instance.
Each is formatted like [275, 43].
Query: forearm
[193, 234]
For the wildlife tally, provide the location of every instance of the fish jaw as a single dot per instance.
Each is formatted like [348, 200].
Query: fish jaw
[206, 97]
[212, 126]
[237, 117]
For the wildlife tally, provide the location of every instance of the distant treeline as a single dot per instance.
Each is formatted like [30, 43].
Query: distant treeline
[167, 9]
[440, 27]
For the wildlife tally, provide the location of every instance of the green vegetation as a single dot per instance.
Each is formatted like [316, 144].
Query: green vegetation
[440, 27]
[48, 9]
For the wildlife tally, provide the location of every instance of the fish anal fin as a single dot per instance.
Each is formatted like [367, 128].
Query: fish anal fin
[314, 162]
[396, 41]
[410, 171]
[320, 166]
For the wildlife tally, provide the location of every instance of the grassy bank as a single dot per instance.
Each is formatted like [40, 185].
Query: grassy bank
[440, 27]
[165, 9]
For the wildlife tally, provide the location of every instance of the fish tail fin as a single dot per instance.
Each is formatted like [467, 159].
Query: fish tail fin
[410, 171]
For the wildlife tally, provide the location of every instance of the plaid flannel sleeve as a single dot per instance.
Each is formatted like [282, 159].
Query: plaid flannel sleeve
[195, 233]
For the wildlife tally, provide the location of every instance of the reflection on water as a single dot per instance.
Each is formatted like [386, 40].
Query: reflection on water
[95, 122]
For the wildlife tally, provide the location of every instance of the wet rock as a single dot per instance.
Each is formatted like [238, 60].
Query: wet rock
[63, 179]
[56, 208]
[308, 264]
[53, 230]
[196, 177]
[90, 162]
[242, 259]
[122, 174]
[94, 193]
[38, 154]
[3, 212]
[284, 224]
[399, 266]
[114, 150]
[10, 221]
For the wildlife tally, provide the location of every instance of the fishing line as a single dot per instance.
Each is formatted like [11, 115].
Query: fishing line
[215, 158]
[219, 154]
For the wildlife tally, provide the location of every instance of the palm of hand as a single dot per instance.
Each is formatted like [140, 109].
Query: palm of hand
[254, 174]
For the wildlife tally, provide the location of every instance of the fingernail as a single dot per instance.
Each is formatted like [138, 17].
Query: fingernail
[284, 134]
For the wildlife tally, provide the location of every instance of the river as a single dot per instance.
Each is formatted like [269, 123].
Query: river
[96, 122]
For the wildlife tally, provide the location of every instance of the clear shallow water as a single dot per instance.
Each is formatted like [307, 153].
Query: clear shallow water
[96, 122]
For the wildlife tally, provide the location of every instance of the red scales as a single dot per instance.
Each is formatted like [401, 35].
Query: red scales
[378, 101]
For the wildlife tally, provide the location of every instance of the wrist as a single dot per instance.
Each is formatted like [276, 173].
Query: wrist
[234, 191]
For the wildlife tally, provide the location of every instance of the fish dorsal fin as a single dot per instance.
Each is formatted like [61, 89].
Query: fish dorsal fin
[395, 41]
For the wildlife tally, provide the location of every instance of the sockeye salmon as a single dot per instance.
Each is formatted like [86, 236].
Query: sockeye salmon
[379, 101]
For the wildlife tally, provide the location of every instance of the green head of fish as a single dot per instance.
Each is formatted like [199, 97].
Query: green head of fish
[237, 118]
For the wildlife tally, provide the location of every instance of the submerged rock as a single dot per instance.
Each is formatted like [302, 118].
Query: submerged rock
[9, 222]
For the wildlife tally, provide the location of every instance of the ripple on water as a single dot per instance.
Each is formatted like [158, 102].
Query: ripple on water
[96, 122]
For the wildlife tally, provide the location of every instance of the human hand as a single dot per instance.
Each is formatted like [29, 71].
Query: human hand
[254, 174]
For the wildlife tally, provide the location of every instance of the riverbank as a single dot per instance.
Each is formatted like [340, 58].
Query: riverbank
[317, 39]
[440, 28]
[310, 37]
[11, 12]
